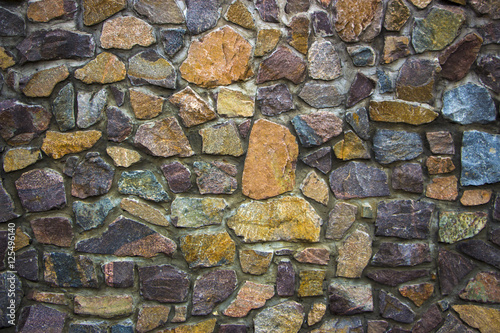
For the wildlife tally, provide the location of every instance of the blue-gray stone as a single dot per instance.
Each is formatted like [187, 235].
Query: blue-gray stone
[90, 108]
[469, 104]
[480, 158]
[274, 99]
[11, 24]
[390, 146]
[173, 40]
[362, 55]
[201, 15]
[321, 95]
[88, 327]
[65, 270]
[142, 183]
[124, 327]
[384, 82]
[92, 214]
[8, 279]
[63, 108]
[359, 122]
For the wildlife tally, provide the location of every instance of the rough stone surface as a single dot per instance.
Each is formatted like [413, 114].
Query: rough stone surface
[119, 274]
[149, 67]
[437, 165]
[211, 289]
[481, 251]
[164, 283]
[172, 40]
[250, 296]
[123, 157]
[8, 211]
[315, 188]
[408, 177]
[487, 320]
[362, 55]
[284, 317]
[91, 215]
[361, 88]
[268, 10]
[488, 71]
[457, 59]
[347, 324]
[351, 147]
[104, 306]
[239, 14]
[468, 104]
[453, 324]
[212, 179]
[95, 11]
[311, 283]
[144, 211]
[150, 317]
[317, 128]
[354, 253]
[6, 59]
[221, 139]
[105, 68]
[90, 107]
[486, 7]
[119, 125]
[282, 64]
[324, 61]
[321, 95]
[233, 103]
[429, 320]
[452, 268]
[26, 265]
[340, 220]
[20, 158]
[322, 24]
[162, 12]
[22, 122]
[454, 226]
[193, 110]
[39, 318]
[255, 262]
[479, 158]
[142, 183]
[397, 13]
[63, 108]
[398, 111]
[395, 47]
[393, 278]
[178, 176]
[12, 24]
[316, 313]
[359, 122]
[285, 279]
[208, 249]
[274, 99]
[201, 15]
[65, 270]
[441, 142]
[355, 17]
[206, 326]
[298, 33]
[197, 212]
[475, 197]
[320, 159]
[41, 190]
[392, 308]
[390, 146]
[347, 298]
[57, 230]
[318, 256]
[92, 177]
[267, 39]
[443, 188]
[126, 31]
[484, 288]
[145, 104]
[417, 293]
[400, 254]
[415, 83]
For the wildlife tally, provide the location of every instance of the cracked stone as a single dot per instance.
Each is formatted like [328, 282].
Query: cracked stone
[340, 220]
[356, 18]
[163, 283]
[437, 165]
[250, 296]
[395, 47]
[193, 110]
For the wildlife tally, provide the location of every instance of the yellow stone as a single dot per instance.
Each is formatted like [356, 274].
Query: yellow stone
[233, 103]
[487, 320]
[353, 17]
[255, 262]
[238, 13]
[105, 68]
[316, 313]
[208, 250]
[45, 10]
[6, 60]
[417, 293]
[311, 283]
[144, 211]
[95, 11]
[421, 3]
[123, 157]
[144, 105]
[43, 82]
[315, 188]
[125, 32]
[207, 326]
[22, 239]
[57, 144]
[20, 158]
[48, 297]
[104, 306]
[351, 147]
[151, 317]
[267, 39]
[401, 112]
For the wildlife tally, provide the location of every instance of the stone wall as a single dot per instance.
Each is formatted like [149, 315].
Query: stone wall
[250, 166]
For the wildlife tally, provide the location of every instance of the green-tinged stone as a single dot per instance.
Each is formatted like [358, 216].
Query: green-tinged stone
[311, 283]
[57, 144]
[197, 212]
[351, 147]
[286, 317]
[151, 317]
[95, 11]
[104, 306]
[267, 39]
[316, 313]
[233, 103]
[208, 250]
[222, 139]
[288, 219]
[123, 157]
[65, 270]
[484, 288]
[454, 226]
[149, 67]
[315, 188]
[20, 158]
[401, 112]
[487, 320]
[43, 82]
[142, 183]
[144, 211]
[105, 68]
[255, 262]
[207, 326]
[354, 253]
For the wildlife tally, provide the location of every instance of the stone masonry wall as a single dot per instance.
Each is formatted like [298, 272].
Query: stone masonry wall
[250, 166]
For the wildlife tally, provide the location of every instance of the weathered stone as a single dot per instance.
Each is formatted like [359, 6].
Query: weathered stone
[420, 4]
[221, 139]
[92, 177]
[340, 220]
[484, 288]
[347, 298]
[267, 39]
[142, 183]
[149, 67]
[479, 158]
[124, 32]
[274, 99]
[322, 24]
[437, 165]
[208, 249]
[441, 142]
[285, 279]
[104, 306]
[359, 122]
[144, 211]
[284, 317]
[6, 59]
[417, 293]
[475, 197]
[244, 128]
[487, 320]
[202, 15]
[361, 87]
[390, 146]
[393, 278]
[26, 264]
[20, 158]
[288, 218]
[161, 12]
[151, 317]
[311, 255]
[47, 297]
[443, 188]
[232, 103]
[22, 239]
[338, 325]
[356, 17]
[119, 274]
[399, 254]
[481, 250]
[163, 138]
[316, 313]
[91, 107]
[119, 124]
[125, 326]
[457, 59]
[180, 315]
[193, 110]
[268, 10]
[233, 328]
[408, 177]
[315, 188]
[255, 262]
[358, 180]
[351, 147]
[454, 226]
[321, 95]
[105, 68]
[489, 7]
[354, 253]
[469, 104]
[239, 14]
[178, 176]
[429, 320]
[282, 64]
[88, 326]
[63, 108]
[39, 318]
[53, 230]
[47, 10]
[452, 268]
[211, 289]
[415, 83]
[488, 69]
[144, 104]
[206, 326]
[395, 47]
[298, 33]
[163, 283]
[311, 282]
[65, 270]
[317, 128]
[218, 59]
[392, 308]
[173, 40]
[213, 180]
[125, 237]
[362, 55]
[43, 82]
[320, 159]
[490, 32]
[41, 190]
[251, 296]
[401, 112]
[95, 11]
[12, 24]
[296, 6]
[92, 215]
[57, 145]
[189, 212]
[377, 326]
[452, 324]
[397, 13]
[404, 219]
[123, 157]
[7, 212]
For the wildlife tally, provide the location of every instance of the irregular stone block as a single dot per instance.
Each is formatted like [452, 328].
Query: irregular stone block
[311, 283]
[267, 39]
[233, 103]
[142, 183]
[454, 226]
[408, 177]
[315, 188]
[362, 55]
[453, 324]
[429, 320]
[206, 326]
[213, 179]
[84, 327]
[457, 59]
[476, 198]
[393, 278]
[354, 253]
[443, 188]
[119, 125]
[282, 64]
[20, 158]
[401, 112]
[239, 14]
[123, 157]
[189, 212]
[452, 268]
[274, 99]
[346, 324]
[479, 158]
[481, 251]
[351, 147]
[172, 40]
[417, 293]
[149, 67]
[221, 139]
[359, 122]
[268, 10]
[151, 317]
[399, 254]
[316, 313]
[287, 316]
[322, 24]
[7, 213]
[39, 318]
[57, 145]
[26, 264]
[484, 288]
[145, 104]
[255, 262]
[178, 176]
[41, 190]
[485, 319]
[65, 270]
[361, 88]
[251, 296]
[201, 15]
[415, 83]
[95, 11]
[105, 68]
[163, 283]
[47, 10]
[320, 159]
[324, 61]
[397, 14]
[488, 71]
[437, 165]
[486, 7]
[390, 146]
[119, 274]
[340, 219]
[42, 83]
[355, 18]
[468, 104]
[208, 249]
[92, 177]
[392, 308]
[348, 299]
[92, 215]
[91, 107]
[321, 95]
[104, 306]
[160, 12]
[395, 47]
[285, 279]
[317, 128]
[144, 211]
[63, 108]
[124, 32]
[193, 110]
[56, 230]
[441, 142]
[211, 289]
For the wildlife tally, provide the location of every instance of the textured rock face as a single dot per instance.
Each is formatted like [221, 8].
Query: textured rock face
[64, 270]
[221, 139]
[105, 68]
[104, 306]
[348, 299]
[454, 226]
[457, 59]
[95, 11]
[416, 79]
[197, 212]
[485, 319]
[193, 110]
[149, 67]
[321, 95]
[142, 183]
[178, 177]
[354, 254]
[125, 32]
[469, 104]
[479, 158]
[324, 61]
[211, 289]
[250, 296]
[232, 103]
[340, 220]
[46, 229]
[358, 180]
[92, 177]
[354, 17]
[282, 64]
[36, 316]
[399, 254]
[274, 99]
[208, 249]
[298, 33]
[215, 179]
[315, 188]
[163, 12]
[41, 190]
[390, 146]
[317, 128]
[164, 283]
[392, 308]
[284, 317]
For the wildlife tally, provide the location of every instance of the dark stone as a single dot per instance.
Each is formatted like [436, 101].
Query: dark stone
[496, 208]
[320, 159]
[359, 122]
[233, 328]
[126, 326]
[393, 278]
[244, 128]
[178, 176]
[126, 237]
[142, 183]
[322, 24]
[9, 282]
[11, 24]
[63, 108]
[92, 177]
[56, 44]
[41, 189]
[457, 59]
[453, 324]
[55, 230]
[452, 268]
[90, 215]
[148, 67]
[118, 95]
[212, 180]
[173, 40]
[296, 6]
[4, 242]
[348, 299]
[399, 254]
[362, 56]
[70, 166]
[285, 279]
[268, 10]
[88, 327]
[488, 69]
[39, 318]
[317, 128]
[7, 212]
[494, 237]
[480, 250]
[201, 15]
[408, 177]
[390, 146]
[211, 289]
[384, 82]
[392, 308]
[489, 7]
[119, 124]
[358, 180]
[429, 321]
[404, 219]
[91, 107]
[415, 80]
[361, 88]
[65, 270]
[282, 64]
[469, 104]
[20, 123]
[274, 100]
[119, 274]
[480, 158]
[163, 283]
[160, 12]
[321, 95]
[490, 32]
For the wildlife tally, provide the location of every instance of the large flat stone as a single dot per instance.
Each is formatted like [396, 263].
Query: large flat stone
[208, 249]
[469, 104]
[317, 128]
[41, 190]
[65, 270]
[187, 212]
[284, 317]
[358, 180]
[163, 283]
[22, 122]
[124, 32]
[354, 253]
[401, 254]
[391, 146]
[212, 288]
[398, 111]
[282, 64]
[250, 296]
[347, 298]
[480, 158]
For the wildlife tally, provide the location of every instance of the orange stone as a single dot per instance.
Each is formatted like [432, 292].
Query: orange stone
[105, 68]
[438, 164]
[475, 197]
[193, 110]
[251, 296]
[145, 106]
[95, 11]
[125, 32]
[354, 17]
[417, 293]
[443, 188]
[43, 82]
[57, 144]
[46, 10]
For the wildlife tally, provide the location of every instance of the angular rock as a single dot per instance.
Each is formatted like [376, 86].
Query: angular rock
[457, 59]
[452, 268]
[20, 158]
[63, 108]
[206, 326]
[399, 111]
[484, 288]
[356, 17]
[125, 237]
[395, 47]
[180, 314]
[316, 313]
[22, 239]
[347, 298]
[311, 255]
[468, 104]
[359, 122]
[144, 211]
[221, 139]
[429, 321]
[317, 128]
[454, 226]
[160, 12]
[39, 318]
[219, 58]
[453, 324]
[163, 138]
[244, 128]
[268, 10]
[321, 95]
[385, 81]
[397, 14]
[92, 215]
[322, 24]
[487, 320]
[94, 327]
[393, 278]
[250, 296]
[340, 220]
[441, 142]
[42, 83]
[104, 306]
[296, 6]
[211, 289]
[481, 251]
[65, 270]
[361, 88]
[149, 67]
[239, 14]
[285, 279]
[193, 110]
[124, 32]
[298, 33]
[118, 95]
[417, 293]
[95, 11]
[479, 158]
[443, 188]
[142, 183]
[311, 282]
[233, 328]
[11, 24]
[41, 190]
[282, 64]
[47, 297]
[119, 124]
[354, 253]
[145, 104]
[172, 40]
[7, 212]
[123, 157]
[125, 326]
[399, 254]
[47, 10]
[345, 324]
[390, 146]
[208, 249]
[201, 15]
[57, 145]
[178, 177]
[320, 159]
[150, 317]
[105, 68]
[408, 177]
[56, 230]
[267, 39]
[119, 274]
[392, 308]
[233, 103]
[189, 212]
[255, 262]
[26, 265]
[212, 179]
[415, 83]
[358, 180]
[351, 147]
[91, 107]
[488, 69]
[487, 7]
[437, 165]
[315, 188]
[288, 218]
[163, 283]
[362, 55]
[476, 198]
[274, 99]
[284, 317]
[92, 177]
[6, 59]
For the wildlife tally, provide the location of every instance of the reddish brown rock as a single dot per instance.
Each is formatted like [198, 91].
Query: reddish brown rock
[429, 320]
[268, 10]
[354, 253]
[39, 318]
[274, 100]
[46, 10]
[441, 142]
[457, 59]
[417, 293]
[355, 17]
[211, 289]
[251, 296]
[126, 31]
[298, 33]
[312, 255]
[178, 177]
[53, 230]
[92, 177]
[95, 11]
[193, 110]
[43, 82]
[105, 68]
[408, 177]
[443, 188]
[397, 14]
[164, 283]
[317, 128]
[415, 81]
[488, 69]
[475, 197]
[282, 64]
[393, 278]
[41, 189]
[119, 274]
[452, 268]
[361, 88]
[119, 124]
[437, 164]
[395, 47]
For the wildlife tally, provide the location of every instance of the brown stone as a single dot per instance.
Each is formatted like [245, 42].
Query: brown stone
[193, 110]
[312, 255]
[208, 249]
[415, 81]
[270, 162]
[126, 31]
[160, 11]
[104, 306]
[22, 239]
[218, 59]
[395, 47]
[145, 105]
[20, 158]
[443, 188]
[151, 317]
[255, 262]
[95, 11]
[178, 176]
[267, 39]
[355, 17]
[421, 4]
[251, 296]
[315, 188]
[163, 283]
[340, 220]
[41, 190]
[397, 13]
[282, 64]
[351, 147]
[490, 7]
[316, 313]
[53, 230]
[238, 13]
[57, 144]
[311, 283]
[6, 59]
[180, 315]
[46, 10]
[144, 211]
[484, 288]
[47, 297]
[119, 274]
[149, 67]
[457, 59]
[123, 157]
[437, 164]
[298, 33]
[475, 197]
[487, 320]
[324, 61]
[354, 253]
[418, 293]
[361, 88]
[206, 326]
[212, 288]
[43, 82]
[397, 111]
[105, 68]
[441, 142]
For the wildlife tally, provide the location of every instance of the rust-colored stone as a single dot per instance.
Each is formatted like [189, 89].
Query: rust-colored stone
[6, 59]
[395, 47]
[457, 59]
[298, 33]
[267, 39]
[193, 110]
[475, 197]
[315, 188]
[43, 82]
[251, 296]
[443, 188]
[354, 17]
[487, 320]
[46, 10]
[105, 68]
[95, 11]
[418, 293]
[145, 105]
[57, 144]
[437, 164]
[238, 13]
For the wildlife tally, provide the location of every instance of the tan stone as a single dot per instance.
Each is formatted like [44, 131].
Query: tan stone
[238, 13]
[267, 39]
[222, 139]
[43, 82]
[45, 10]
[208, 250]
[123, 157]
[95, 11]
[255, 262]
[193, 110]
[421, 3]
[298, 34]
[340, 220]
[151, 317]
[351, 147]
[20, 158]
[315, 188]
[144, 211]
[418, 293]
[475, 197]
[487, 320]
[145, 105]
[180, 314]
[316, 313]
[104, 306]
[206, 326]
[270, 162]
[219, 58]
[251, 296]
[311, 283]
[354, 17]
[396, 15]
[105, 68]
[48, 297]
[354, 253]
[395, 47]
[443, 188]
[233, 103]
[6, 60]
[398, 111]
[126, 31]
[287, 218]
[22, 239]
[437, 164]
[57, 144]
